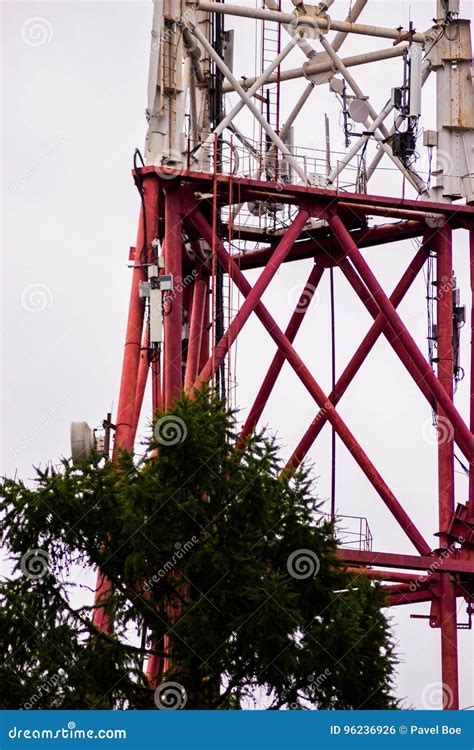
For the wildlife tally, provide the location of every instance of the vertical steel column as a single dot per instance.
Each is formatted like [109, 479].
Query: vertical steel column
[446, 500]
[471, 415]
[173, 322]
[131, 357]
[142, 378]
[195, 331]
[206, 327]
[133, 342]
[444, 307]
[462, 433]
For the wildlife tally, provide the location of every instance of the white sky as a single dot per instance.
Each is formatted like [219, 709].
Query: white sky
[73, 112]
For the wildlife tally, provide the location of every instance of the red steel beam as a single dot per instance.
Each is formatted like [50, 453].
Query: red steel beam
[462, 433]
[357, 360]
[459, 215]
[471, 411]
[195, 331]
[385, 575]
[278, 361]
[173, 321]
[142, 378]
[446, 500]
[310, 383]
[412, 597]
[436, 562]
[254, 295]
[320, 245]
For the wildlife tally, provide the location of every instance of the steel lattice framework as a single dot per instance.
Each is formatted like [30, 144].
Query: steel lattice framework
[210, 198]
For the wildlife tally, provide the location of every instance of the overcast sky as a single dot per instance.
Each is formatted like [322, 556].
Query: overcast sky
[74, 94]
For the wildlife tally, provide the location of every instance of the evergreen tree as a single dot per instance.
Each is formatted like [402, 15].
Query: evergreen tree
[220, 564]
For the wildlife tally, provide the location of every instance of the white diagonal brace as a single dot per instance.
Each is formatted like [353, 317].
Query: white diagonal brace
[258, 84]
[413, 178]
[248, 101]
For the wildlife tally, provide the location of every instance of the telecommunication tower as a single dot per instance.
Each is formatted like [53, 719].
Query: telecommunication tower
[216, 202]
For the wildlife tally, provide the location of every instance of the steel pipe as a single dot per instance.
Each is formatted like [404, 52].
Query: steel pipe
[309, 69]
[278, 361]
[357, 361]
[321, 22]
[462, 433]
[248, 101]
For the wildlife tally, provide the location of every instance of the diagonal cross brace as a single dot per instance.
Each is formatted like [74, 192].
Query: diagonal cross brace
[306, 378]
[462, 434]
[356, 361]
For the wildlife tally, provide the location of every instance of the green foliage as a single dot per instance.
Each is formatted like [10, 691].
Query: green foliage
[216, 560]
